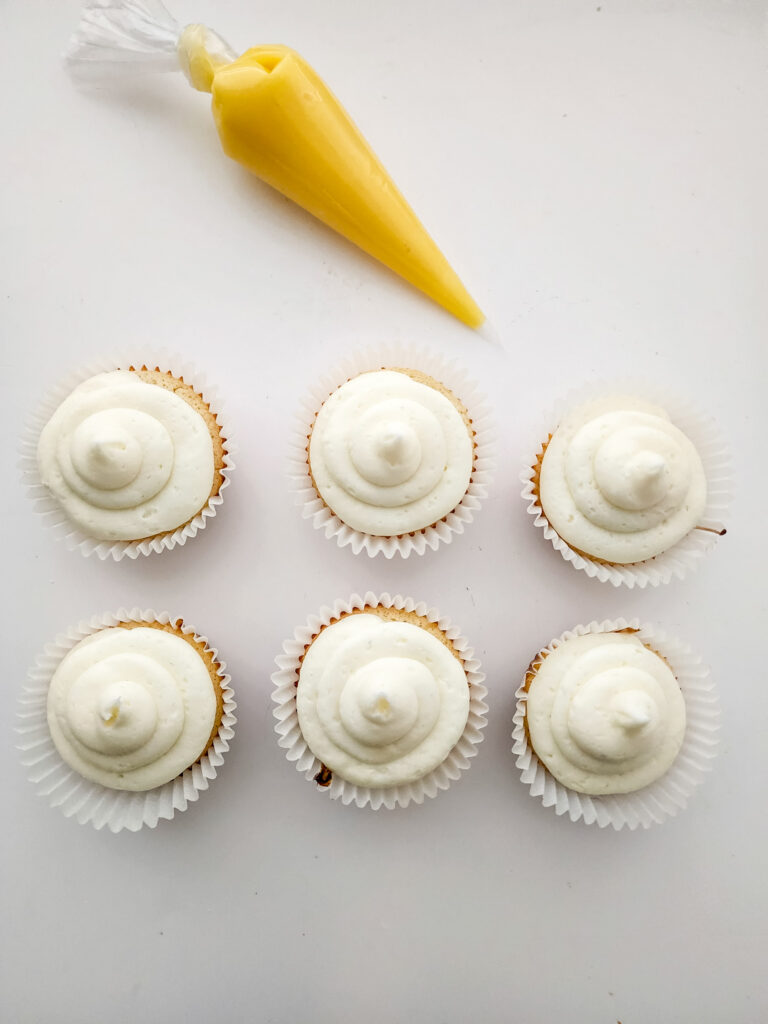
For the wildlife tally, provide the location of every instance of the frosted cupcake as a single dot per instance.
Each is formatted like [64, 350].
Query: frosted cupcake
[391, 459]
[132, 461]
[602, 720]
[624, 493]
[138, 707]
[381, 702]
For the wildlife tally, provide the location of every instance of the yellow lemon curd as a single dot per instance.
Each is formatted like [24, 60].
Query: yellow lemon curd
[277, 117]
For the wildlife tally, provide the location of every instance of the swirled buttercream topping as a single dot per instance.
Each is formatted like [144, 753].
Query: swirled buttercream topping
[389, 454]
[605, 714]
[126, 459]
[380, 702]
[620, 482]
[131, 708]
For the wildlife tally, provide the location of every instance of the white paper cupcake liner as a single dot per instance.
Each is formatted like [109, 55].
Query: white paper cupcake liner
[289, 732]
[686, 555]
[668, 795]
[49, 508]
[89, 802]
[455, 379]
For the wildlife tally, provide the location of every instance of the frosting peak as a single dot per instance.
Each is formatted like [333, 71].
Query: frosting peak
[635, 484]
[632, 710]
[380, 702]
[388, 454]
[104, 453]
[396, 442]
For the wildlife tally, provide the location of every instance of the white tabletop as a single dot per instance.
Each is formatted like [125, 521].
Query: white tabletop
[596, 173]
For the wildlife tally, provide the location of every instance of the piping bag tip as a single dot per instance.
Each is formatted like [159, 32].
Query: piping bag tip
[488, 333]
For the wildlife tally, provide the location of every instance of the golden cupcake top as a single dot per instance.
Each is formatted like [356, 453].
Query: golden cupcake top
[381, 700]
[132, 706]
[130, 454]
[605, 713]
[620, 482]
[391, 452]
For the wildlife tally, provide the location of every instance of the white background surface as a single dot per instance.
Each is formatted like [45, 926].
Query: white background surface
[596, 173]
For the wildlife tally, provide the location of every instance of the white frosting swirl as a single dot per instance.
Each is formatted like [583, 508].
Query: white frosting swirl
[380, 702]
[126, 459]
[605, 714]
[131, 708]
[390, 455]
[620, 482]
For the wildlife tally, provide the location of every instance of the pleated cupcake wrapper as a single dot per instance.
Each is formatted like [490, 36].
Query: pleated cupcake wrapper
[682, 557]
[455, 379]
[668, 795]
[296, 749]
[46, 505]
[88, 802]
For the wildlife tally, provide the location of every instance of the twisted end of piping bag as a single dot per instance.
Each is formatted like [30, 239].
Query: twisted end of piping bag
[201, 53]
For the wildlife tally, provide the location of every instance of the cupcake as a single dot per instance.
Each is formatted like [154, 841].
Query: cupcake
[132, 713]
[130, 461]
[389, 458]
[379, 701]
[625, 493]
[615, 724]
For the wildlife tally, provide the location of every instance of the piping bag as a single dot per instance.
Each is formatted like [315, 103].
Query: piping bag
[278, 118]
